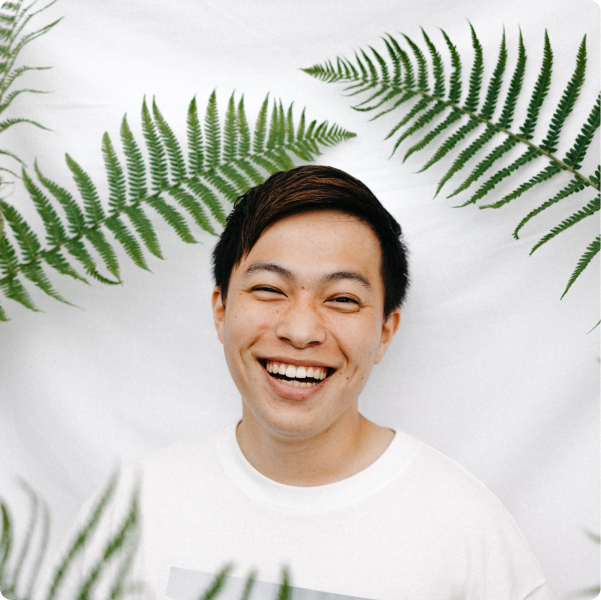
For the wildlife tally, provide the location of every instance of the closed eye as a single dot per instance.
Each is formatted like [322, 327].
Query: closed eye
[266, 288]
[345, 303]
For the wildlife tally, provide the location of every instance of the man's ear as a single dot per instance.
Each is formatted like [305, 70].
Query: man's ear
[218, 312]
[389, 328]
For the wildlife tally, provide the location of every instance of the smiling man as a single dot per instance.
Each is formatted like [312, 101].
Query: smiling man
[310, 274]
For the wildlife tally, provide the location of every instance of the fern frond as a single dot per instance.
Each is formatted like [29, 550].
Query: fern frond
[388, 87]
[211, 174]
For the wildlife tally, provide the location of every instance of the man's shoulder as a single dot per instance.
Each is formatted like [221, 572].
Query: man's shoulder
[441, 484]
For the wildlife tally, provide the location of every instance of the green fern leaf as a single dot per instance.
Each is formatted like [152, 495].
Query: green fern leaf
[13, 289]
[230, 132]
[156, 153]
[91, 201]
[58, 262]
[422, 70]
[515, 87]
[290, 126]
[213, 133]
[188, 202]
[494, 87]
[78, 543]
[590, 253]
[98, 240]
[541, 89]
[473, 94]
[261, 127]
[115, 176]
[273, 134]
[417, 108]
[576, 185]
[484, 165]
[435, 110]
[590, 209]
[455, 79]
[576, 154]
[55, 231]
[195, 146]
[173, 218]
[448, 145]
[112, 550]
[222, 186]
[570, 95]
[217, 584]
[437, 67]
[3, 316]
[136, 171]
[249, 170]
[209, 198]
[35, 273]
[31, 248]
[174, 152]
[145, 229]
[14, 156]
[547, 173]
[127, 240]
[491, 183]
[28, 241]
[7, 123]
[238, 181]
[243, 129]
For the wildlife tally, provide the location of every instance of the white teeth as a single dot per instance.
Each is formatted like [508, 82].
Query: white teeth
[294, 372]
[297, 383]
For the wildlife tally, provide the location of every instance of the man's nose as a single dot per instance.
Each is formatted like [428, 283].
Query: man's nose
[301, 325]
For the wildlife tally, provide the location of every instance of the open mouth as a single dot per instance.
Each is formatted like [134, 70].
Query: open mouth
[295, 376]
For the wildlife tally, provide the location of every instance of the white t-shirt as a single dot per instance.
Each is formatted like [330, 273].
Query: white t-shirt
[412, 526]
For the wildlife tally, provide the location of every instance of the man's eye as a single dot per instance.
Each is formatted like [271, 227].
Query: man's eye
[264, 288]
[346, 300]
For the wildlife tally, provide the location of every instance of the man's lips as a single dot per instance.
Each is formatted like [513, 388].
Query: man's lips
[292, 380]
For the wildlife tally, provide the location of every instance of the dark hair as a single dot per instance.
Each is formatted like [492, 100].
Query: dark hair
[304, 189]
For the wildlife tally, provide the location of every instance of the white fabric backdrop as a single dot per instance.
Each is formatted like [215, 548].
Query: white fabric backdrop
[489, 366]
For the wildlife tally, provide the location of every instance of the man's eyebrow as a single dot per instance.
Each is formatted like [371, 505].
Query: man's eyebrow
[329, 278]
[353, 275]
[270, 268]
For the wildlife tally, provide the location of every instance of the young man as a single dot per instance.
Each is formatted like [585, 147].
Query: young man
[310, 274]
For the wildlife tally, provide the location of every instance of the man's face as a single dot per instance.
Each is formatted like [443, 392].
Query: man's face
[303, 323]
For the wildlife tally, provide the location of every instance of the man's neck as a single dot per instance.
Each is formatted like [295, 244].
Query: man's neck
[343, 450]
